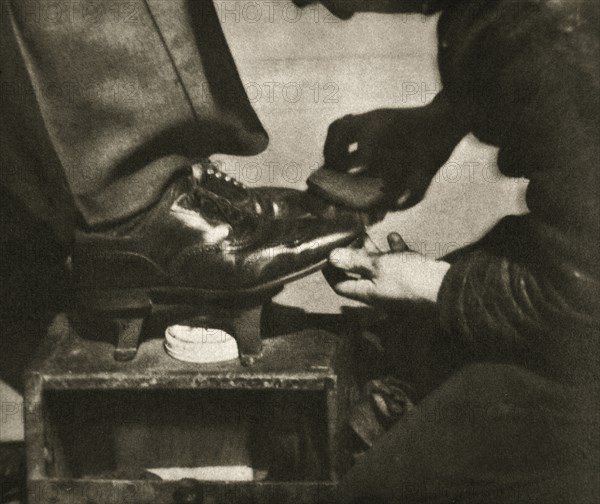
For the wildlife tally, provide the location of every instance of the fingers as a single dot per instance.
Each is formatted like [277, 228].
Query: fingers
[353, 261]
[370, 247]
[397, 243]
[358, 290]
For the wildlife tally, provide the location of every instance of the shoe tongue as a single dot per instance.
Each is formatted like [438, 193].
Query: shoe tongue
[221, 200]
[209, 178]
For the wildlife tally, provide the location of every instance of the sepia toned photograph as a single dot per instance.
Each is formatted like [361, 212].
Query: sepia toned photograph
[300, 251]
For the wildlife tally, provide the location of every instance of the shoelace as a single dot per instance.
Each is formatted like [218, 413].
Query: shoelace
[210, 174]
[200, 171]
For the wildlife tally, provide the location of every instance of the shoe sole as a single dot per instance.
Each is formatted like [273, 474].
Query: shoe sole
[142, 298]
[238, 312]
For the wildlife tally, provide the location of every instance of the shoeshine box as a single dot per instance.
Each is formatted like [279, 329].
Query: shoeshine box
[157, 430]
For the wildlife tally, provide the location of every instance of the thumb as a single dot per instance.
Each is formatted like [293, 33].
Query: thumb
[396, 243]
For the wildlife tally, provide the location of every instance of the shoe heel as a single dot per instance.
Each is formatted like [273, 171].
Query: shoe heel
[246, 327]
[128, 311]
[125, 310]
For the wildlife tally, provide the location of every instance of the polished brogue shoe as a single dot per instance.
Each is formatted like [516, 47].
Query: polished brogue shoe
[212, 234]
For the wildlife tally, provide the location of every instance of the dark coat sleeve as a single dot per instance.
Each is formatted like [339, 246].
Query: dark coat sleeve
[528, 80]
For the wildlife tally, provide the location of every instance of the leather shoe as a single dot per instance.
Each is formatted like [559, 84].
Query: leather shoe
[277, 202]
[211, 234]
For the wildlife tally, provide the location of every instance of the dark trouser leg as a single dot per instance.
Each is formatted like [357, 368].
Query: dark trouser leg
[126, 93]
[490, 433]
[101, 103]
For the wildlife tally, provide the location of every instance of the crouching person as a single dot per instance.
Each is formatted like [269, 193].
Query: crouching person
[517, 420]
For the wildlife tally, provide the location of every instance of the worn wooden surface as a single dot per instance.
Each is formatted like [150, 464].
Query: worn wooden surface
[302, 359]
[185, 492]
[93, 423]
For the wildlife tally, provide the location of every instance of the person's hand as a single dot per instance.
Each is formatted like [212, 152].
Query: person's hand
[379, 278]
[402, 147]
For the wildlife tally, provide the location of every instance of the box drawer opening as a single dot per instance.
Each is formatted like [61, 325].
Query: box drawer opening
[212, 435]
